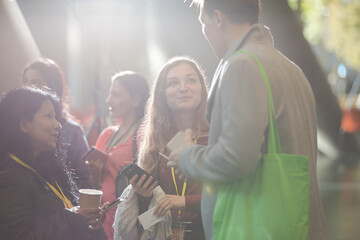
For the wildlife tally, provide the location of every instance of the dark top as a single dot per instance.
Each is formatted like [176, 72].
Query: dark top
[192, 199]
[76, 146]
[30, 210]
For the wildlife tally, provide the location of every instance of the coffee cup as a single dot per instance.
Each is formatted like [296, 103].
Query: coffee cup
[90, 198]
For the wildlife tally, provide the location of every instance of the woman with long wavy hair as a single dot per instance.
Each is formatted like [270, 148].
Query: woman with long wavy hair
[177, 102]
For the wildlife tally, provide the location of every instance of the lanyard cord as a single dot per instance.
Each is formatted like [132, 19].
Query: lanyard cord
[110, 145]
[60, 194]
[177, 192]
[184, 185]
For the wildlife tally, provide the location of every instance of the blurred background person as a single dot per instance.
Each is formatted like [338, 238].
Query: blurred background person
[128, 95]
[32, 203]
[177, 102]
[45, 72]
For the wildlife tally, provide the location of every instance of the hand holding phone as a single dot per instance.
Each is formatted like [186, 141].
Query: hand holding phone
[95, 160]
[112, 204]
[95, 154]
[133, 169]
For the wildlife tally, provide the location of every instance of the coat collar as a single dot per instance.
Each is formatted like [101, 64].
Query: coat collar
[258, 33]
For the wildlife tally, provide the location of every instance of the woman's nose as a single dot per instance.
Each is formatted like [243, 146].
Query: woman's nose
[183, 86]
[108, 100]
[57, 125]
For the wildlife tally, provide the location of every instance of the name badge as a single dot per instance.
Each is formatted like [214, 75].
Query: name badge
[179, 229]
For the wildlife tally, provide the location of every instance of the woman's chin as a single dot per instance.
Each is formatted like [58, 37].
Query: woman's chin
[115, 115]
[186, 108]
[51, 146]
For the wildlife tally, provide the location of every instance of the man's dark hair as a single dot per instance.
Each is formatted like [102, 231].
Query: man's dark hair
[239, 11]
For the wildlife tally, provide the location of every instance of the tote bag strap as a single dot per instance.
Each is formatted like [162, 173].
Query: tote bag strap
[274, 145]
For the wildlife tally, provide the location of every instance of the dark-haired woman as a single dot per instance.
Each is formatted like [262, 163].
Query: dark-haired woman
[33, 204]
[128, 94]
[46, 73]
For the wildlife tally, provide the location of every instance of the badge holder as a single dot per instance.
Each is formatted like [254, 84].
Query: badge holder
[179, 229]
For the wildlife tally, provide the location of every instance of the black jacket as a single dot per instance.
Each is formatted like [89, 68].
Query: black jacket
[30, 210]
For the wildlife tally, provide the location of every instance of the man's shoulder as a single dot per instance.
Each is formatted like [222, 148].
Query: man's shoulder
[246, 55]
[266, 54]
[239, 64]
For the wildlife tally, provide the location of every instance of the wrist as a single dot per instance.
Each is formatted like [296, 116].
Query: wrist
[182, 202]
[147, 197]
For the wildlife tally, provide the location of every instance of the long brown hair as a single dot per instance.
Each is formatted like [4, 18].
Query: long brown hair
[158, 126]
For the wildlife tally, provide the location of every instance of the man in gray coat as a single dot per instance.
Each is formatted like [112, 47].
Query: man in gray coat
[238, 108]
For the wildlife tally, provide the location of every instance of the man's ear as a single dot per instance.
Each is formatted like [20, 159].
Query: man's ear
[24, 125]
[219, 18]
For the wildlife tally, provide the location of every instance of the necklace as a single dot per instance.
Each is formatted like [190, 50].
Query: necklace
[112, 143]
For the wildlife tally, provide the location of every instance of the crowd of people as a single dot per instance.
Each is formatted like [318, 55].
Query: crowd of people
[228, 135]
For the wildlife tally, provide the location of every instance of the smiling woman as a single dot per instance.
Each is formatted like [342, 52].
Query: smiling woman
[29, 123]
[183, 89]
[177, 102]
[42, 130]
[33, 205]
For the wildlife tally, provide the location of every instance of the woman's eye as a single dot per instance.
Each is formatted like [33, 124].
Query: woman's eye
[172, 83]
[114, 94]
[192, 80]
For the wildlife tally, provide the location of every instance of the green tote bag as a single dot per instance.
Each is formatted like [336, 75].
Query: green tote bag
[273, 202]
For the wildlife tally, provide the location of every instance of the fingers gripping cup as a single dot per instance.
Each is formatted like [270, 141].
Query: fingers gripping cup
[90, 198]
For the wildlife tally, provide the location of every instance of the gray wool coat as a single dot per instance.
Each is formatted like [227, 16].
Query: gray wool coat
[238, 116]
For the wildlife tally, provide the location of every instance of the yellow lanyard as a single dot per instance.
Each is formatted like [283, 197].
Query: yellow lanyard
[60, 194]
[185, 184]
